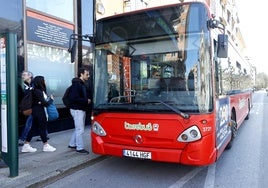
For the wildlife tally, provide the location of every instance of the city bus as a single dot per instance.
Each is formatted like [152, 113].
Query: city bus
[169, 85]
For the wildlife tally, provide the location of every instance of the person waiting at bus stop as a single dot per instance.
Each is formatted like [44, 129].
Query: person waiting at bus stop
[79, 103]
[27, 78]
[40, 100]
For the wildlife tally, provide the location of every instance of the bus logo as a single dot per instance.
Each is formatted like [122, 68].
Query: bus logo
[155, 127]
[138, 139]
[141, 127]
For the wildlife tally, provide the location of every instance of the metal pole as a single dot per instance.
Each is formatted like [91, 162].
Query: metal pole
[79, 32]
[12, 104]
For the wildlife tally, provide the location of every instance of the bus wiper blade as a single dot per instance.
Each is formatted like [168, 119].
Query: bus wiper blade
[182, 114]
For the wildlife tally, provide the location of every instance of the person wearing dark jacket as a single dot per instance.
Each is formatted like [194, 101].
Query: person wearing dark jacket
[40, 100]
[79, 103]
[27, 78]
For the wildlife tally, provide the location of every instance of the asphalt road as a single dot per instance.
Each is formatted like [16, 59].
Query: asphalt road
[243, 166]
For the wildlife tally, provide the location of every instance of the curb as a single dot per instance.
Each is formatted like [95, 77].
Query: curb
[67, 172]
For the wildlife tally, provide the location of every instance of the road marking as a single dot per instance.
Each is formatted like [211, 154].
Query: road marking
[210, 178]
[186, 178]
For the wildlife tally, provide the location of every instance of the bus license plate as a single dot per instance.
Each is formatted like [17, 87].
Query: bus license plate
[137, 154]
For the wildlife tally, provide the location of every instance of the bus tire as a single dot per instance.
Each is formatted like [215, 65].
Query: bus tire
[234, 133]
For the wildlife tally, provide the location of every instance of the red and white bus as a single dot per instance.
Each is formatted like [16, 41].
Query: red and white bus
[165, 88]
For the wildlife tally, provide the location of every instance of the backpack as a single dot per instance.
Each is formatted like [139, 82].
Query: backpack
[65, 98]
[26, 103]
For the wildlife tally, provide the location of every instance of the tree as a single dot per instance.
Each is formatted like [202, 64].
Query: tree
[261, 80]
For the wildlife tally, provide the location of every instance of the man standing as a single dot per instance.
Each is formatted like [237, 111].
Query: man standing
[27, 78]
[79, 102]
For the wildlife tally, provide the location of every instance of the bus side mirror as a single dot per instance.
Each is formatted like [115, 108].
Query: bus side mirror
[73, 51]
[222, 51]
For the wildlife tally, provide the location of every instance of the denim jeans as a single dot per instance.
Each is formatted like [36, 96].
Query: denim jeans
[79, 117]
[27, 128]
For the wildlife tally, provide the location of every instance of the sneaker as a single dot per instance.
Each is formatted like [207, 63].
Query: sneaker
[21, 142]
[82, 151]
[48, 148]
[27, 148]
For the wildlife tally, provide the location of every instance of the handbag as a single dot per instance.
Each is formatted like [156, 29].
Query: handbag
[52, 112]
[26, 103]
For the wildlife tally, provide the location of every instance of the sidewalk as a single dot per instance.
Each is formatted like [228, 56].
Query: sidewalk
[35, 169]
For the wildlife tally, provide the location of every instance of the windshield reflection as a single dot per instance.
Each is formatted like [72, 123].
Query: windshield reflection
[141, 69]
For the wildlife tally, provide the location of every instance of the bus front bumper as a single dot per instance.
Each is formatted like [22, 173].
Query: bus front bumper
[192, 154]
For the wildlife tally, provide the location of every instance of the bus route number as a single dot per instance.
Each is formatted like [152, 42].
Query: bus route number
[207, 129]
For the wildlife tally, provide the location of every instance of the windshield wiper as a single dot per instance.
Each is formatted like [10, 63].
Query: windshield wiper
[182, 114]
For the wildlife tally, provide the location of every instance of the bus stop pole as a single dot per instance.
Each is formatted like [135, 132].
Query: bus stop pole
[12, 99]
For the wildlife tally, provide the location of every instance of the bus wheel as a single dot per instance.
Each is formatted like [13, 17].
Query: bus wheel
[234, 133]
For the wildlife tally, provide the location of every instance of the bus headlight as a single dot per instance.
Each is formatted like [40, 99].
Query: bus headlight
[190, 135]
[97, 129]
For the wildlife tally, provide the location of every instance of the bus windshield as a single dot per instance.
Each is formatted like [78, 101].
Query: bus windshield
[150, 58]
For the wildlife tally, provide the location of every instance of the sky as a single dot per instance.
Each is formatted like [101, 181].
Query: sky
[253, 26]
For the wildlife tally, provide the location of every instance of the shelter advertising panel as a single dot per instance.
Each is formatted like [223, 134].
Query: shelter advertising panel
[3, 95]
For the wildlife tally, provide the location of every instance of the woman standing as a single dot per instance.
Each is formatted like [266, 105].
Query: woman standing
[40, 101]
